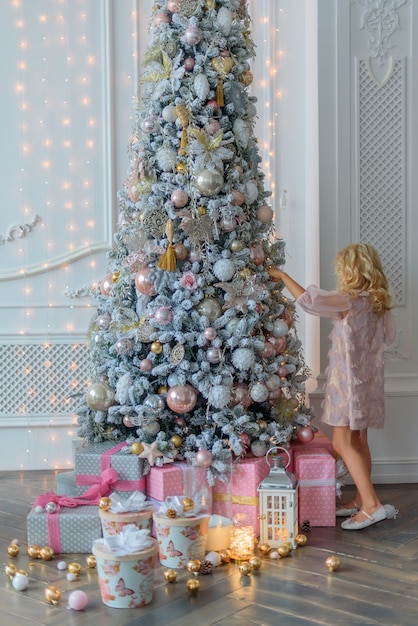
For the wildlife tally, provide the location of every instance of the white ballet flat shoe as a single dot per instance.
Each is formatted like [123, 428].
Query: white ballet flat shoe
[341, 511]
[352, 524]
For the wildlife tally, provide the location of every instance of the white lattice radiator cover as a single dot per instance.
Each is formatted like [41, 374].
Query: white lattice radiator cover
[42, 379]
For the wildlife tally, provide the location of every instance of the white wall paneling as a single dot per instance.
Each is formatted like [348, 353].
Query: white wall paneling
[68, 85]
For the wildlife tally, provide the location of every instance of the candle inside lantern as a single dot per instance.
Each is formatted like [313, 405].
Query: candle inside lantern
[242, 537]
[219, 533]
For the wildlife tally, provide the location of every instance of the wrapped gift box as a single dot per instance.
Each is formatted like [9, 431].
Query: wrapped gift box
[66, 484]
[320, 440]
[315, 469]
[69, 530]
[93, 459]
[240, 494]
[167, 480]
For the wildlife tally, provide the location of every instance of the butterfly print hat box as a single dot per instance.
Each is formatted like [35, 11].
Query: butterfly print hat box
[125, 565]
[136, 509]
[181, 534]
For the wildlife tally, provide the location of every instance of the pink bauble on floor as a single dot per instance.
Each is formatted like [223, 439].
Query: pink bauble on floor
[78, 600]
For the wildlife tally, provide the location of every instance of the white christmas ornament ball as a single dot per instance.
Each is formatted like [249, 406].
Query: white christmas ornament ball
[280, 328]
[274, 554]
[259, 448]
[224, 20]
[213, 558]
[169, 113]
[20, 581]
[241, 132]
[219, 396]
[224, 269]
[209, 183]
[62, 565]
[251, 191]
[243, 359]
[259, 392]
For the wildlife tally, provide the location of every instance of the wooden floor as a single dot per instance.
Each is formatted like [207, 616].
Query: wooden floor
[377, 583]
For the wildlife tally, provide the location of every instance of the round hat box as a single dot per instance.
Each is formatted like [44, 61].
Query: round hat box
[180, 539]
[126, 582]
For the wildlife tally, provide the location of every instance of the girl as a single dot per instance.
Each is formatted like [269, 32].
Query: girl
[363, 326]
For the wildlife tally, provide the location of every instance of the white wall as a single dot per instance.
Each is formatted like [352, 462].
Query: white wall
[67, 118]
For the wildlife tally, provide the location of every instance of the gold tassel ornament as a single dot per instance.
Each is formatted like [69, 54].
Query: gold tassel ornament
[168, 261]
[183, 116]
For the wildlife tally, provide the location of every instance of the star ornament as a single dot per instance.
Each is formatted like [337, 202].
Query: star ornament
[150, 452]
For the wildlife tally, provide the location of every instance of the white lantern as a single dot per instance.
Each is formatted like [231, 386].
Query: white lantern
[278, 494]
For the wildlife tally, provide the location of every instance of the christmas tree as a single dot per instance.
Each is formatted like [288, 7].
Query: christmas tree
[194, 348]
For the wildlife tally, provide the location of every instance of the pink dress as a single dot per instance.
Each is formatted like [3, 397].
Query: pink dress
[354, 392]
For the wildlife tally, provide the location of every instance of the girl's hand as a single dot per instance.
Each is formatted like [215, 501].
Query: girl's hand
[275, 274]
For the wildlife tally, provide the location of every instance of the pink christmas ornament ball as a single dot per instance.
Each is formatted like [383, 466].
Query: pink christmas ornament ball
[163, 315]
[78, 600]
[241, 395]
[127, 421]
[214, 105]
[305, 434]
[237, 197]
[173, 6]
[212, 127]
[181, 398]
[143, 283]
[210, 333]
[257, 256]
[161, 18]
[145, 365]
[179, 198]
[265, 214]
[106, 285]
[189, 64]
[204, 458]
[193, 35]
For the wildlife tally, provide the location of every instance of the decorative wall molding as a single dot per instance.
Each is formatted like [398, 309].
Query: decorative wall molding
[55, 263]
[19, 230]
[381, 20]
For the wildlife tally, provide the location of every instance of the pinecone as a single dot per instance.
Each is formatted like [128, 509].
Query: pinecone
[171, 513]
[206, 568]
[306, 526]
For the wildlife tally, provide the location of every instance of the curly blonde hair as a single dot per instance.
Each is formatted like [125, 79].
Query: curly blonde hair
[358, 268]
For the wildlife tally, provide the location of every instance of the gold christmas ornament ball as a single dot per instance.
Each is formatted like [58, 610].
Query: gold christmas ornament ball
[10, 570]
[262, 425]
[156, 347]
[52, 594]
[46, 553]
[181, 168]
[74, 568]
[171, 513]
[245, 569]
[255, 562]
[188, 504]
[34, 550]
[289, 545]
[13, 549]
[137, 447]
[246, 78]
[201, 210]
[162, 390]
[245, 273]
[264, 548]
[193, 585]
[283, 551]
[194, 566]
[115, 277]
[91, 561]
[105, 503]
[333, 563]
[225, 555]
[301, 539]
[170, 575]
[181, 251]
[176, 440]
